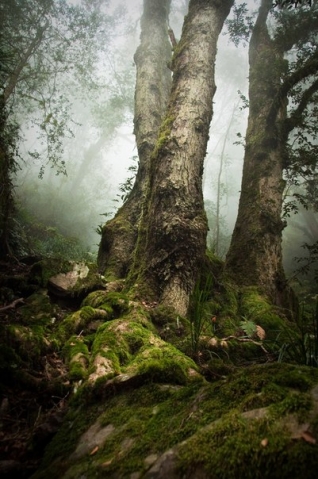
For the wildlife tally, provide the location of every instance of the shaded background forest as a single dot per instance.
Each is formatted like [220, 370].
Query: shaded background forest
[72, 114]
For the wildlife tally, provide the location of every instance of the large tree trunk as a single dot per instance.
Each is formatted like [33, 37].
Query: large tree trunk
[255, 254]
[172, 237]
[153, 84]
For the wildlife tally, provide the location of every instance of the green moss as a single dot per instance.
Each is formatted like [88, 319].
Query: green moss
[110, 346]
[76, 422]
[206, 423]
[76, 354]
[119, 302]
[97, 299]
[164, 134]
[239, 441]
[42, 271]
[171, 327]
[78, 322]
[295, 403]
[29, 342]
[38, 309]
[162, 362]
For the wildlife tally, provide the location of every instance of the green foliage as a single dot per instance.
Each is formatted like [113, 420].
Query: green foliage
[43, 43]
[200, 311]
[49, 55]
[126, 187]
[308, 263]
[300, 344]
[35, 238]
[249, 327]
[291, 3]
[241, 25]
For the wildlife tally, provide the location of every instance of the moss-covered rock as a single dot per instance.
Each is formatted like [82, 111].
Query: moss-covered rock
[255, 423]
[77, 281]
[44, 269]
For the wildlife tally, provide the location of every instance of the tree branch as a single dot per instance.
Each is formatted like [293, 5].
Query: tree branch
[302, 25]
[14, 78]
[309, 68]
[11, 305]
[296, 117]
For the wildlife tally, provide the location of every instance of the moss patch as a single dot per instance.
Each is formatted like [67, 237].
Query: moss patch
[232, 428]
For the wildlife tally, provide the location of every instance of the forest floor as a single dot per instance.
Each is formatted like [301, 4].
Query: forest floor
[143, 407]
[30, 411]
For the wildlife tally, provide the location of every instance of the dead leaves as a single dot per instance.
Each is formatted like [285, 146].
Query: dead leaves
[93, 451]
[305, 435]
[260, 332]
[308, 437]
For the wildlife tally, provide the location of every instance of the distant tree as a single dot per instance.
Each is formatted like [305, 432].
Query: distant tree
[42, 45]
[282, 97]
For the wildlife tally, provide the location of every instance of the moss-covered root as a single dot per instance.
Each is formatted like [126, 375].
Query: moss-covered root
[130, 347]
[76, 353]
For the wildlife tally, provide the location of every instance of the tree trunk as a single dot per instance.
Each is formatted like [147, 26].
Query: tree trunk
[7, 140]
[172, 238]
[6, 198]
[153, 84]
[255, 254]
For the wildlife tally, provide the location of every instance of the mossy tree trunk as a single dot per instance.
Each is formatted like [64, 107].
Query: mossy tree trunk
[255, 254]
[172, 238]
[153, 84]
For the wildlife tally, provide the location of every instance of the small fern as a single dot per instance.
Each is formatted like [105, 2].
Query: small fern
[249, 327]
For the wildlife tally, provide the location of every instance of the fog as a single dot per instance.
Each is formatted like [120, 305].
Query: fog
[82, 190]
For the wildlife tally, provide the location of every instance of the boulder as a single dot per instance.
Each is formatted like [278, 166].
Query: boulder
[79, 280]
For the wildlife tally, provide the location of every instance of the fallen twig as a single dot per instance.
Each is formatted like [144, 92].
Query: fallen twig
[11, 305]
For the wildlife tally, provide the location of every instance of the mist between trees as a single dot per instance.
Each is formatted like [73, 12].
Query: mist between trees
[68, 130]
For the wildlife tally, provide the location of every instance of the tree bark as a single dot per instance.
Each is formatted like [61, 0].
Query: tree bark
[255, 254]
[172, 238]
[153, 84]
[6, 197]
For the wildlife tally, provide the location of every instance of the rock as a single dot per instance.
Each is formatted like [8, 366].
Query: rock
[78, 281]
[93, 438]
[165, 466]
